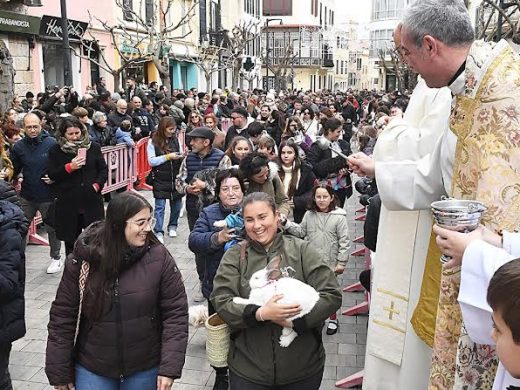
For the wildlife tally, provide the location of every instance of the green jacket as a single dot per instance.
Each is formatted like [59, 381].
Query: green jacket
[255, 353]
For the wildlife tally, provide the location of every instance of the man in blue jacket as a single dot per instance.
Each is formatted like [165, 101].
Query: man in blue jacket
[30, 157]
[203, 156]
[13, 229]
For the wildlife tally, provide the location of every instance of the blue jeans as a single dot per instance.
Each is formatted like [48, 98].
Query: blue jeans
[158, 213]
[142, 380]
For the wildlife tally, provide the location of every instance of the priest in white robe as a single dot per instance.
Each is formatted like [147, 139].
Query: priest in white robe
[394, 351]
[475, 159]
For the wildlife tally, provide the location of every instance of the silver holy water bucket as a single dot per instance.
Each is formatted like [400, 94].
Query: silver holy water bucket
[459, 215]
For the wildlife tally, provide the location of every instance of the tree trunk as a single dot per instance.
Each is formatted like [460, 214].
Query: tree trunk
[208, 81]
[237, 65]
[6, 78]
[117, 79]
[164, 73]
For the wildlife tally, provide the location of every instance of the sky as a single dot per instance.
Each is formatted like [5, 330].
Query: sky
[353, 10]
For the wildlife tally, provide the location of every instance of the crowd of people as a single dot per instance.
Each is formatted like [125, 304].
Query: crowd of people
[212, 155]
[264, 177]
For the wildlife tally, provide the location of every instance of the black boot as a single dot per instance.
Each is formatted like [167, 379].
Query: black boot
[221, 378]
[221, 382]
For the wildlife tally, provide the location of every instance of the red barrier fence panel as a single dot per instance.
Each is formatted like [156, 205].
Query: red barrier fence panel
[33, 236]
[120, 166]
[181, 136]
[142, 167]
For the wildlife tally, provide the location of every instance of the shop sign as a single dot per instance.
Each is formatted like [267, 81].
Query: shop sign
[51, 28]
[19, 23]
[127, 48]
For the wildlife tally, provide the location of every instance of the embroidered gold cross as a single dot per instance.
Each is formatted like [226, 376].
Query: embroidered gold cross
[391, 310]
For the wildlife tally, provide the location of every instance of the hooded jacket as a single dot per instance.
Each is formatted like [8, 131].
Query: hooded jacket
[273, 186]
[254, 352]
[13, 230]
[203, 242]
[145, 324]
[326, 232]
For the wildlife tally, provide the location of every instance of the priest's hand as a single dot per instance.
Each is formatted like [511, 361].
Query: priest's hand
[453, 244]
[361, 164]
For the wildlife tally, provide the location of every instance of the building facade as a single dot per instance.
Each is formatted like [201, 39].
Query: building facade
[385, 16]
[34, 36]
[298, 43]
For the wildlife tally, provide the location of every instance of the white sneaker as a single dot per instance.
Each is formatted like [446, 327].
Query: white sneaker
[160, 237]
[55, 266]
[172, 232]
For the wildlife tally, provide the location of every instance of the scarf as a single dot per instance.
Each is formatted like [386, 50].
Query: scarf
[335, 148]
[133, 254]
[72, 147]
[287, 177]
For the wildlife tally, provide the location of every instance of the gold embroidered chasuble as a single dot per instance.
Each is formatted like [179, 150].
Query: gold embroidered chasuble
[486, 121]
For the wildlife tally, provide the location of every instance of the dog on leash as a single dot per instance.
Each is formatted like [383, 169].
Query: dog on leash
[197, 315]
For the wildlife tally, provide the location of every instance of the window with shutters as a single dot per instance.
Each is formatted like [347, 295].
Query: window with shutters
[127, 7]
[277, 8]
[149, 12]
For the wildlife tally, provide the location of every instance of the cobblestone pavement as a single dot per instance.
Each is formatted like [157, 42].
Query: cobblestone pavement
[345, 350]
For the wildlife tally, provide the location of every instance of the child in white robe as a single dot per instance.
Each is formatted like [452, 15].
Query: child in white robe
[481, 254]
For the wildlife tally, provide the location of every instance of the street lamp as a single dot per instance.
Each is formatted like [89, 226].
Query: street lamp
[267, 21]
[66, 47]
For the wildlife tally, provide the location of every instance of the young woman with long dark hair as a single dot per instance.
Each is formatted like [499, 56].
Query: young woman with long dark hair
[133, 315]
[297, 178]
[165, 157]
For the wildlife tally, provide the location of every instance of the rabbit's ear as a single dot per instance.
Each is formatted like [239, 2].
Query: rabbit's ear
[274, 264]
[274, 274]
[273, 268]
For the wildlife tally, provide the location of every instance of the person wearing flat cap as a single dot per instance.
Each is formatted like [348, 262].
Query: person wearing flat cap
[203, 156]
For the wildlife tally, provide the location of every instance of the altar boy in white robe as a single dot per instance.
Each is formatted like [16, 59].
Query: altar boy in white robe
[489, 294]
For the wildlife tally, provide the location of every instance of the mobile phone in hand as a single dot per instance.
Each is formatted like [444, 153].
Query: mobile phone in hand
[82, 153]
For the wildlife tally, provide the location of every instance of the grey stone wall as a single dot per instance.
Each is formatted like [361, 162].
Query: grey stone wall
[6, 77]
[23, 80]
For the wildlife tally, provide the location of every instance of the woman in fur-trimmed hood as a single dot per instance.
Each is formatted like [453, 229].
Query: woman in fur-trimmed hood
[262, 176]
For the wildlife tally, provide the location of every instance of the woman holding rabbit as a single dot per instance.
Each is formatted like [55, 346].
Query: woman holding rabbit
[256, 359]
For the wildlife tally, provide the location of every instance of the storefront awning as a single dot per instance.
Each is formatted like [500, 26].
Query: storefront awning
[19, 23]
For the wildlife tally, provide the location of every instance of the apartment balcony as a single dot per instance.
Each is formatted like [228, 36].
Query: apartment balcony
[328, 61]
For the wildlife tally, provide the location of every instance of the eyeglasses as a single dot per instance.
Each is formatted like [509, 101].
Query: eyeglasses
[143, 223]
[306, 112]
[235, 117]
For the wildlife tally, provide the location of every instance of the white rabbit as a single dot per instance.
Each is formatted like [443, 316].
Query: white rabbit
[268, 282]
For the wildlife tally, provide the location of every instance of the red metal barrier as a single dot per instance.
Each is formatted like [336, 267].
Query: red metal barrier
[121, 174]
[33, 236]
[142, 167]
[181, 136]
[351, 381]
[356, 379]
[121, 170]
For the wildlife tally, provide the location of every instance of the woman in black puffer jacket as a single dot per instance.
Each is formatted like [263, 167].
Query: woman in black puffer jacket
[13, 229]
[133, 327]
[165, 157]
